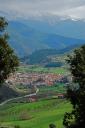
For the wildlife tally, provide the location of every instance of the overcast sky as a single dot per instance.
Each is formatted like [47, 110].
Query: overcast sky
[37, 8]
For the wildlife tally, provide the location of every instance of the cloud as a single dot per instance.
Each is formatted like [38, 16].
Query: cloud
[36, 8]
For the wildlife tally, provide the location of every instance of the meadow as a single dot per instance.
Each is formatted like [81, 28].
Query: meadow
[34, 115]
[41, 69]
[58, 88]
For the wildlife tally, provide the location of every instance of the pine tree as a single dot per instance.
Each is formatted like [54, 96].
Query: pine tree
[76, 92]
[8, 59]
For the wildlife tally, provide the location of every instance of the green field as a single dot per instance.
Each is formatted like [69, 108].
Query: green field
[34, 115]
[58, 88]
[40, 69]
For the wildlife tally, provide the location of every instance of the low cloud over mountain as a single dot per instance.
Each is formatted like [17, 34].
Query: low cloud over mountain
[38, 8]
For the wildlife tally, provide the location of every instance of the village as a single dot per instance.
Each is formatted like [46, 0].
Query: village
[37, 79]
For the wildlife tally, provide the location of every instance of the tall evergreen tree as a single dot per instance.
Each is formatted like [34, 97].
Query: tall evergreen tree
[76, 92]
[8, 59]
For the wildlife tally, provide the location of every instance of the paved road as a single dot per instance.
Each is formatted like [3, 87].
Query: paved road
[29, 95]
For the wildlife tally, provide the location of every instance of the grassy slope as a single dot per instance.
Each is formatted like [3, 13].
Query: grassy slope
[40, 114]
[7, 92]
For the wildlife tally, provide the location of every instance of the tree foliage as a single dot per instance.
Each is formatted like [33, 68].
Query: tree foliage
[8, 59]
[76, 91]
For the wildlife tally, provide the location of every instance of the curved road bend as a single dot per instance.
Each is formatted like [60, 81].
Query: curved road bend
[6, 101]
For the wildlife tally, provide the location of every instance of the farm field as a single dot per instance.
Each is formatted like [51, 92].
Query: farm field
[41, 69]
[34, 115]
[58, 88]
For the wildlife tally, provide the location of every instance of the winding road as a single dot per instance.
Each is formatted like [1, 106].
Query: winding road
[29, 95]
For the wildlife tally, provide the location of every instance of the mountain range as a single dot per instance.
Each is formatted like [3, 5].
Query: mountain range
[27, 36]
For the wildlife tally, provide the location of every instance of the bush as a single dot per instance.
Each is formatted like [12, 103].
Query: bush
[16, 126]
[52, 126]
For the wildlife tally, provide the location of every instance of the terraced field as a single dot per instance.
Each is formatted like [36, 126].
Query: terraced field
[34, 115]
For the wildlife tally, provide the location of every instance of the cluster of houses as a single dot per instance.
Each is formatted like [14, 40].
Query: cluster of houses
[37, 79]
